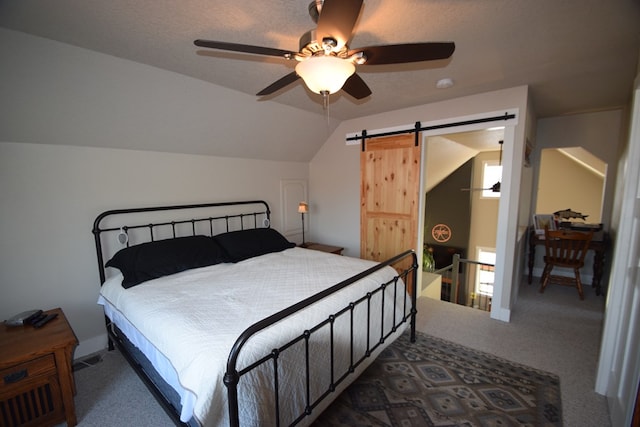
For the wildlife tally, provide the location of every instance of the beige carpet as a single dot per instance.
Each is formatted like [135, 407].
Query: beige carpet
[553, 332]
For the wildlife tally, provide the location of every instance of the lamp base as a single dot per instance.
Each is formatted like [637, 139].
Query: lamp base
[303, 245]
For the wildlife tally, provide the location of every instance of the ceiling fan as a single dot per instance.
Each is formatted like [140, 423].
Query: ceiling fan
[325, 61]
[495, 187]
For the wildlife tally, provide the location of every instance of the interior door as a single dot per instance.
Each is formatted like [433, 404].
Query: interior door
[619, 366]
[389, 196]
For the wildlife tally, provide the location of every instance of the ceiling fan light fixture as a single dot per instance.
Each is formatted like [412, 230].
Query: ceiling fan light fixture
[325, 73]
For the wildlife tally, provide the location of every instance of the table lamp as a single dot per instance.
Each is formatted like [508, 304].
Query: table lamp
[303, 208]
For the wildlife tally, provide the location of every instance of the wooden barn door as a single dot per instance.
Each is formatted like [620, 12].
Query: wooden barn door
[389, 195]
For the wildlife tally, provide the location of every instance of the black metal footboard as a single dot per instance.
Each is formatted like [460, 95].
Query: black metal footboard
[404, 282]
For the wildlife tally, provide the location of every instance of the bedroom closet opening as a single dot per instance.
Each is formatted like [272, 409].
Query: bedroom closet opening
[460, 174]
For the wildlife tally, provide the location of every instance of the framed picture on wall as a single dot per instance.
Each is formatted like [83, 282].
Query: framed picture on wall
[540, 221]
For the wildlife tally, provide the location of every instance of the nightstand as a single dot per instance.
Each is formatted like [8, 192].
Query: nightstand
[324, 248]
[36, 376]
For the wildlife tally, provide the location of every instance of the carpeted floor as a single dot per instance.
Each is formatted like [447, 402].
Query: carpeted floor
[434, 382]
[555, 332]
[431, 382]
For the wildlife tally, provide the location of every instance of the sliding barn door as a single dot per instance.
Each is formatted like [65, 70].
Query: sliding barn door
[390, 183]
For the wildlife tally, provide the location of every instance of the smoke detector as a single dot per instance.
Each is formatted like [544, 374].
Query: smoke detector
[444, 83]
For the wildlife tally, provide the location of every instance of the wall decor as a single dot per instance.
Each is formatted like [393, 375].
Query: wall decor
[441, 233]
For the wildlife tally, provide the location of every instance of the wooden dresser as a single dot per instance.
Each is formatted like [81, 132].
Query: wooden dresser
[36, 376]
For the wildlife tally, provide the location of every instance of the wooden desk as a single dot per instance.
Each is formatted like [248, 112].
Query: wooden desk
[36, 376]
[599, 245]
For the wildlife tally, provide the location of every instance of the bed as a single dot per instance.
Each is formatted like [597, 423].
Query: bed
[228, 323]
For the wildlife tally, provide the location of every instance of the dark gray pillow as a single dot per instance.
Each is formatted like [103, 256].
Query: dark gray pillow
[151, 260]
[240, 245]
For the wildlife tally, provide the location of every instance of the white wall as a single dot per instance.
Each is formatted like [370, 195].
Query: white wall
[619, 363]
[54, 93]
[564, 183]
[600, 133]
[334, 174]
[57, 98]
[51, 194]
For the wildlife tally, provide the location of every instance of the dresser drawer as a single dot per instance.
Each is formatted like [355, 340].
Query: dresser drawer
[36, 380]
[30, 394]
[16, 374]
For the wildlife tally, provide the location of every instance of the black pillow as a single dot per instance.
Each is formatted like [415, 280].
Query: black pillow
[151, 260]
[240, 245]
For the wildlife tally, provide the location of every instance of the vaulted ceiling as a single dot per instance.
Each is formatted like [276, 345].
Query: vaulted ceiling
[576, 55]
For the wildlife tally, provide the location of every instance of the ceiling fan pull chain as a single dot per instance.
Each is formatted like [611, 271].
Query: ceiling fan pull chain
[325, 104]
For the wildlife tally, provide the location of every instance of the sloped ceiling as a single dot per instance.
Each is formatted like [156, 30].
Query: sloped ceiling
[446, 153]
[577, 55]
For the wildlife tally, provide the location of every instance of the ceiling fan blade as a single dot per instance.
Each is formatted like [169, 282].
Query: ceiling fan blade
[495, 188]
[403, 53]
[337, 19]
[245, 48]
[356, 87]
[279, 84]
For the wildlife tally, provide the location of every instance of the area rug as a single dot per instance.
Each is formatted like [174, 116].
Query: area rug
[433, 382]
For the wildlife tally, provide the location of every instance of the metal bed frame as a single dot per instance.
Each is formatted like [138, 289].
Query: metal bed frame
[405, 281]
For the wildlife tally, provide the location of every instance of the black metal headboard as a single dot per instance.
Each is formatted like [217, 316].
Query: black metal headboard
[132, 226]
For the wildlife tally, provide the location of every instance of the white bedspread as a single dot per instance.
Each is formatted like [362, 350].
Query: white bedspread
[193, 319]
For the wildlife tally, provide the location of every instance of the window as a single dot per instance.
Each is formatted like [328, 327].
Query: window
[485, 275]
[491, 174]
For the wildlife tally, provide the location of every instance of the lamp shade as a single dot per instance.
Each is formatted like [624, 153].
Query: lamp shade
[303, 207]
[325, 73]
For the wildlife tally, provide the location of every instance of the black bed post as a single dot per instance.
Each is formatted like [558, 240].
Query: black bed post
[414, 296]
[231, 380]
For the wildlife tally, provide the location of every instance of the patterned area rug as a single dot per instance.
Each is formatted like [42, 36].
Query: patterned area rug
[433, 382]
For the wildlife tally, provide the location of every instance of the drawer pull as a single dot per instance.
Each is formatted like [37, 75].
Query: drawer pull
[15, 376]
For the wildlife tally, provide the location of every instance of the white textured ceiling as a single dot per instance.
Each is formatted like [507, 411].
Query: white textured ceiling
[576, 55]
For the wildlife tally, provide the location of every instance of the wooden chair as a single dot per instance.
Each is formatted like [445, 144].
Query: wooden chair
[564, 248]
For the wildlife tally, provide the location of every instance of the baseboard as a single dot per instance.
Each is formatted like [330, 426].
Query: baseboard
[90, 346]
[502, 314]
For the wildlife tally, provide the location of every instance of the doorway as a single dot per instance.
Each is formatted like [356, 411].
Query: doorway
[457, 168]
[508, 238]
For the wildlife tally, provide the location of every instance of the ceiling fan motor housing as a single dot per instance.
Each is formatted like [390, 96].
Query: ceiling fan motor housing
[310, 45]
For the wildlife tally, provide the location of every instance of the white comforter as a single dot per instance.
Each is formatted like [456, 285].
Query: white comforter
[193, 319]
